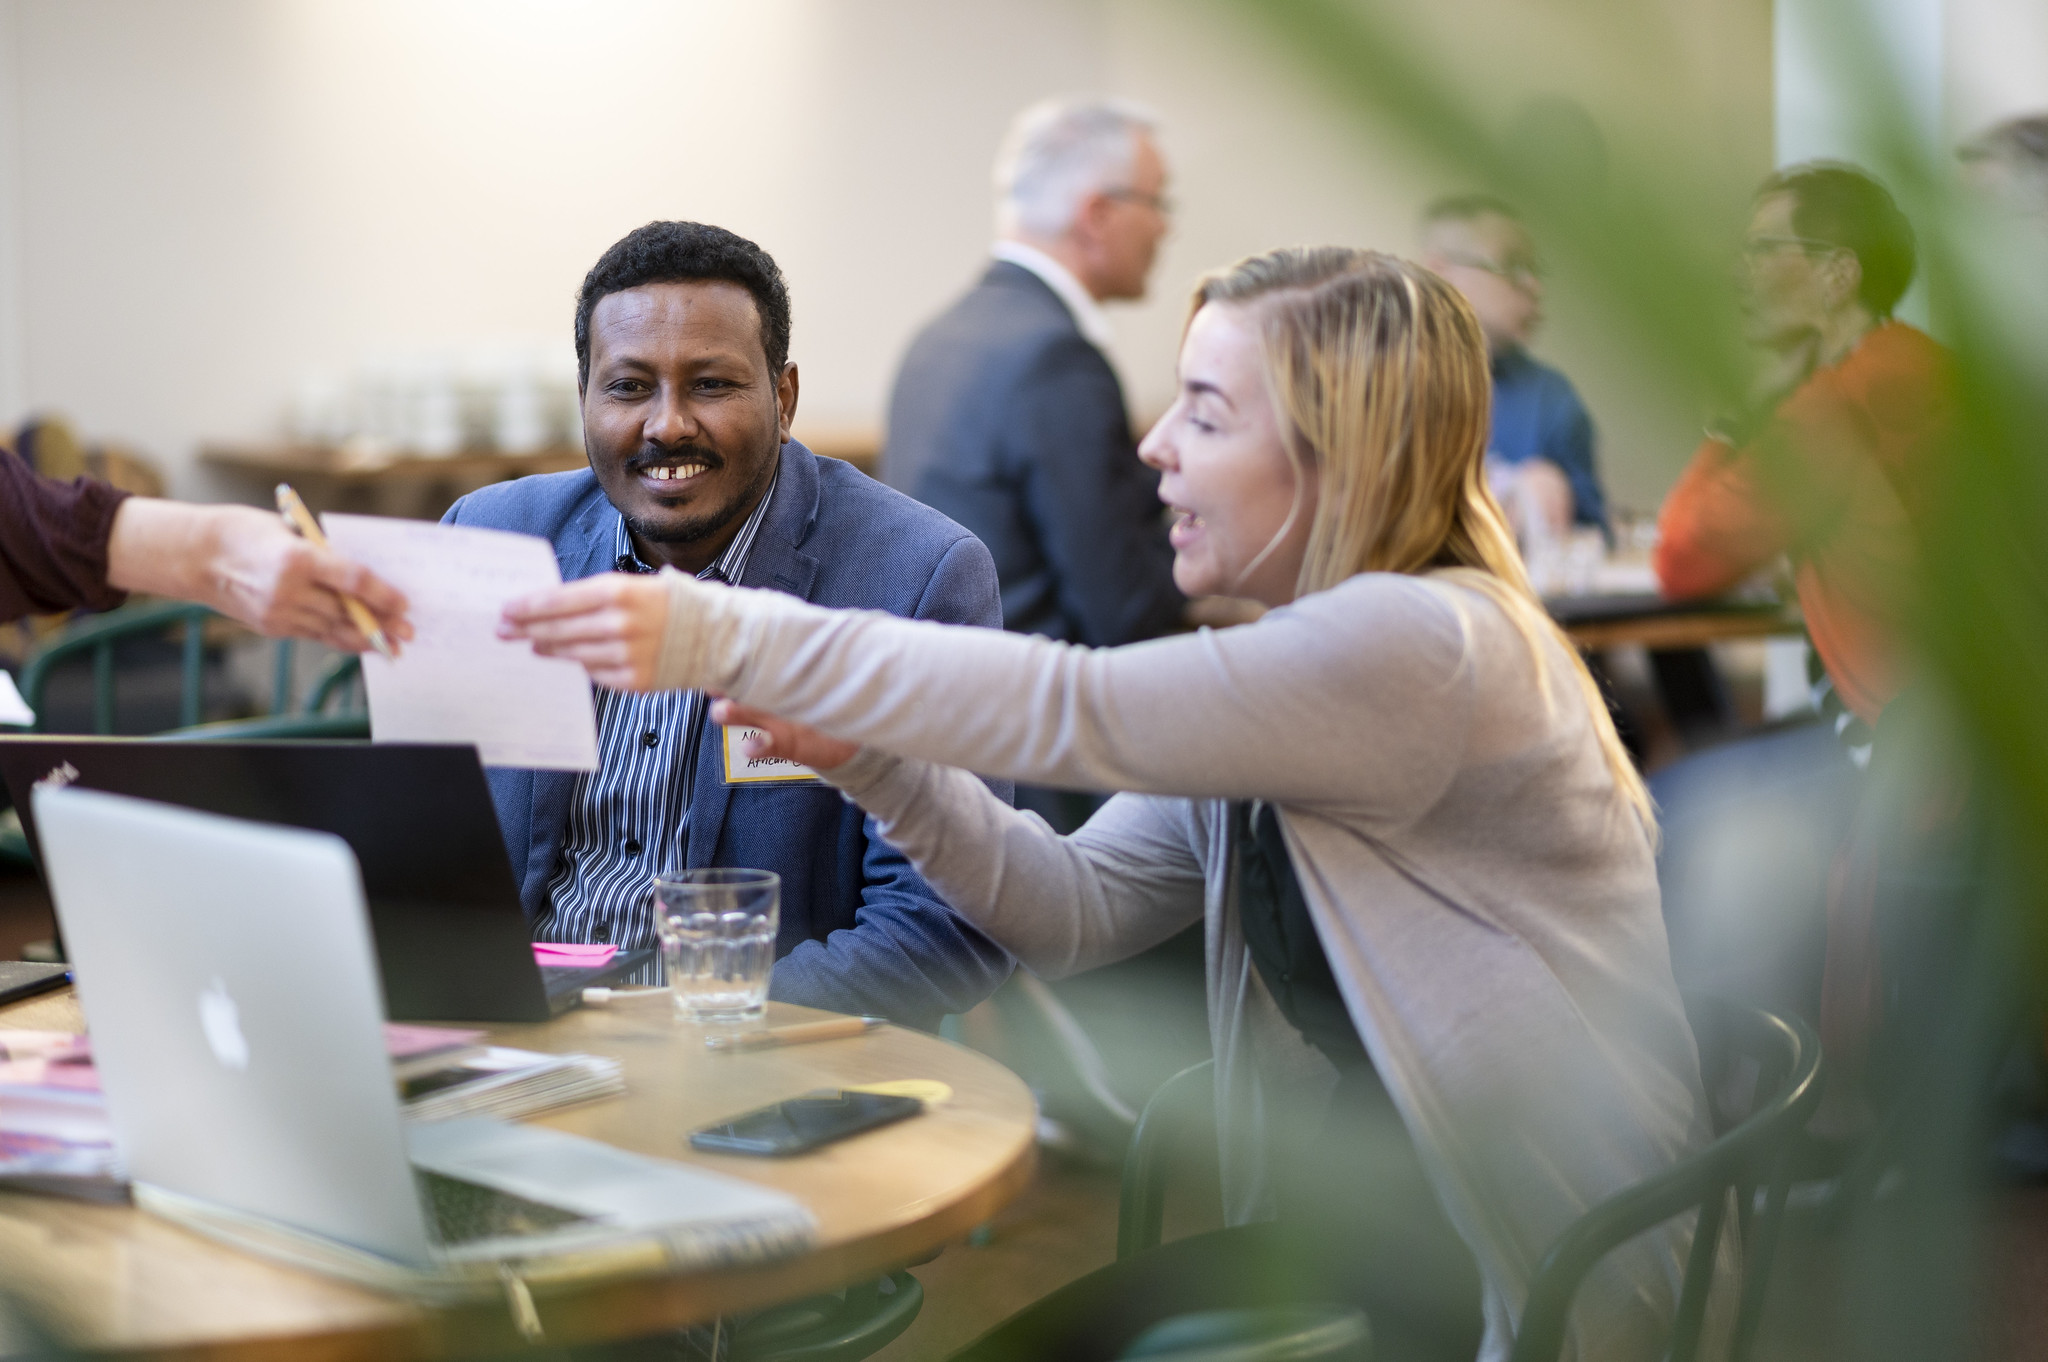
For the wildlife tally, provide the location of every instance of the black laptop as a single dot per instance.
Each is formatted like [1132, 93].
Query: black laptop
[452, 942]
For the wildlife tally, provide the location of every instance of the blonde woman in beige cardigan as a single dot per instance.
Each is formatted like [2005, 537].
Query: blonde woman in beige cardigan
[1470, 842]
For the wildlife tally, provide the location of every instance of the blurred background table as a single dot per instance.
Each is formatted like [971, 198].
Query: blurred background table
[376, 482]
[1650, 621]
[110, 1278]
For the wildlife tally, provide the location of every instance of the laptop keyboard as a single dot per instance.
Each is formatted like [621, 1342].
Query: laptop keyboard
[467, 1211]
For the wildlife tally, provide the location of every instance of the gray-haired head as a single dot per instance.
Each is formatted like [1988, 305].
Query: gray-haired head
[2011, 161]
[1057, 153]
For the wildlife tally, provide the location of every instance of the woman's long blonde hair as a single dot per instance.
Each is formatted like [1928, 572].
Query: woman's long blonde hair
[1379, 372]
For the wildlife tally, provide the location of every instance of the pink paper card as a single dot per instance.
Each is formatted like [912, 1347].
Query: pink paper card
[402, 1041]
[574, 954]
[43, 1045]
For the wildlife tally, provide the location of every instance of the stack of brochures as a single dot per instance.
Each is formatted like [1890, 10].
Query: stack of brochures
[495, 1081]
[55, 1136]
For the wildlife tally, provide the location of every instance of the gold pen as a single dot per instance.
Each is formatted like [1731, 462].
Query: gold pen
[300, 519]
[798, 1034]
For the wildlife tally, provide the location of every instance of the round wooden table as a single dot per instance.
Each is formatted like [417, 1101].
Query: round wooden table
[112, 1278]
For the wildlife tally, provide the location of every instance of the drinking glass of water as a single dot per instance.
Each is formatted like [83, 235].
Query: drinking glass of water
[717, 929]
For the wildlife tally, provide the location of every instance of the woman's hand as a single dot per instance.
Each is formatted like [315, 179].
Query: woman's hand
[784, 738]
[612, 624]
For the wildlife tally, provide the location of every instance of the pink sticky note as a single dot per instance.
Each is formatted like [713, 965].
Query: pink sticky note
[402, 1041]
[575, 954]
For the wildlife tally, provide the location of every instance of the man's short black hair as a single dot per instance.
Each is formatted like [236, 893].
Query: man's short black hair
[1842, 206]
[674, 252]
[1466, 207]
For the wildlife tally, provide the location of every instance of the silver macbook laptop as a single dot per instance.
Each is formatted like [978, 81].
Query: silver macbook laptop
[230, 987]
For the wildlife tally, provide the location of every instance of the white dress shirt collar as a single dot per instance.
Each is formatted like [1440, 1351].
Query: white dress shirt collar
[1088, 314]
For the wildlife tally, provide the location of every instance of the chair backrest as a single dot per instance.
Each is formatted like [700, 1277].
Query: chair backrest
[1777, 1059]
[97, 636]
[1784, 1057]
[342, 680]
[1184, 1103]
[299, 727]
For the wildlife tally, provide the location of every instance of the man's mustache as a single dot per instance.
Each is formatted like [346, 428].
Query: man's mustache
[656, 456]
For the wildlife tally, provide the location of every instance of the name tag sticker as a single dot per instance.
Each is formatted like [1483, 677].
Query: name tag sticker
[741, 769]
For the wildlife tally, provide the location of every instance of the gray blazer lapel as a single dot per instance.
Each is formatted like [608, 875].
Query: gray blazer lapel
[777, 562]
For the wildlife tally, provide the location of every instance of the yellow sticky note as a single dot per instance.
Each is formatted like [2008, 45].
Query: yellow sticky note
[929, 1091]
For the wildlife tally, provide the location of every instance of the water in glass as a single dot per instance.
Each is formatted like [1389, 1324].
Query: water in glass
[717, 931]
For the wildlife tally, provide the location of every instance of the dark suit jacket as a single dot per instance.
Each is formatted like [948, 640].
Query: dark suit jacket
[1007, 419]
[861, 930]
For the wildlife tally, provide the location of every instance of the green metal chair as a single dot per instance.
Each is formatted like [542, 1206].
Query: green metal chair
[275, 727]
[1183, 1109]
[338, 681]
[98, 634]
[1748, 1157]
[842, 1327]
[1281, 1333]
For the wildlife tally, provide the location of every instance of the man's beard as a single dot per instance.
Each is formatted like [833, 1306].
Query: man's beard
[696, 529]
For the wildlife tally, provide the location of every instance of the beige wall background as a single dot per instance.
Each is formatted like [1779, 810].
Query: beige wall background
[202, 202]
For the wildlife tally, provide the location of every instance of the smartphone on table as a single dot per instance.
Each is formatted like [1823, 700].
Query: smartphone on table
[803, 1123]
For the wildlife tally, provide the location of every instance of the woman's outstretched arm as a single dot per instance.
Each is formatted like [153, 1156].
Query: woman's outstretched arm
[1125, 882]
[1361, 696]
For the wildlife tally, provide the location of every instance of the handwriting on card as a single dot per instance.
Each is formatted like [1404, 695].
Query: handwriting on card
[742, 768]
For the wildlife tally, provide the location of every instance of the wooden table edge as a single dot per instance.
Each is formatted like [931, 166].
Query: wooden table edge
[630, 1307]
[1690, 630]
[626, 1307]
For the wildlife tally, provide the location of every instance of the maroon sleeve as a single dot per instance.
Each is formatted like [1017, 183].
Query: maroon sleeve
[53, 542]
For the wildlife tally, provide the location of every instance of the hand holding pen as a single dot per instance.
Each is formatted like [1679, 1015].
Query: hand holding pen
[351, 584]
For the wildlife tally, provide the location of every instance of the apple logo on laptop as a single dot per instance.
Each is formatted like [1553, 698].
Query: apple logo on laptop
[221, 1020]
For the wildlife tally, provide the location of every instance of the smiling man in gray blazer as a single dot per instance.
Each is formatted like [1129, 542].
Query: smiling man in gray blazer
[682, 340]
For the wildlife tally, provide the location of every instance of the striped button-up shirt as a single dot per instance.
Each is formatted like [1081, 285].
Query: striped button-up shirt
[629, 820]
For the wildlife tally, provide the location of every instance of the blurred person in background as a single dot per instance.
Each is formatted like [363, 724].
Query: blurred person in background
[1825, 465]
[1443, 1015]
[85, 545]
[687, 393]
[2009, 164]
[1539, 453]
[1006, 414]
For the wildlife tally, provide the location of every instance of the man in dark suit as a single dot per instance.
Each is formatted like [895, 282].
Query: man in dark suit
[682, 340]
[1007, 416]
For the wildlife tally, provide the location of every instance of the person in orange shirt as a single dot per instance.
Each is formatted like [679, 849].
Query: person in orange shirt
[1826, 467]
[1850, 407]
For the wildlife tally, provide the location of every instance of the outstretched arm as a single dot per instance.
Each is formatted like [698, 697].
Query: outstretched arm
[1126, 881]
[246, 564]
[906, 955]
[1361, 696]
[82, 543]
